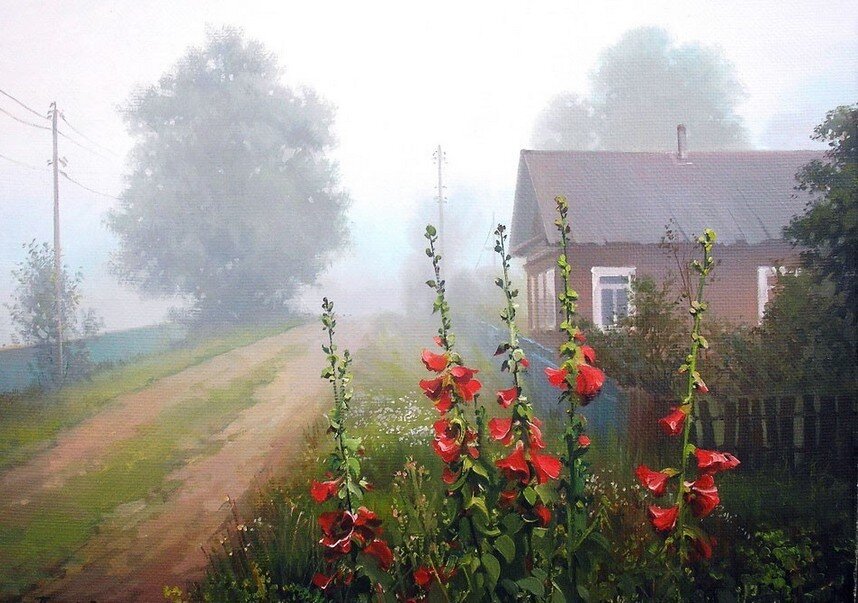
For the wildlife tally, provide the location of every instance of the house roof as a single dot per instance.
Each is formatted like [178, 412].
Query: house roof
[745, 196]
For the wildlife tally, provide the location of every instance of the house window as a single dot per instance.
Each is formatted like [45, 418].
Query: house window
[611, 288]
[767, 278]
[542, 301]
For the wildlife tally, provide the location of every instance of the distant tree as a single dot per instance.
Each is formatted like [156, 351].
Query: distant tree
[34, 316]
[828, 229]
[232, 201]
[642, 88]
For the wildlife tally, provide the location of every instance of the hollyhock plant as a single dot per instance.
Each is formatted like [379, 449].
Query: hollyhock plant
[351, 528]
[694, 497]
[457, 440]
[526, 466]
[579, 382]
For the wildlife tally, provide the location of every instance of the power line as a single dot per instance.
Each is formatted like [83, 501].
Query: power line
[22, 164]
[86, 188]
[30, 109]
[83, 146]
[24, 121]
[84, 136]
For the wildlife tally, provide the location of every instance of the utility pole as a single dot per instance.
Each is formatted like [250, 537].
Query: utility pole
[439, 157]
[57, 255]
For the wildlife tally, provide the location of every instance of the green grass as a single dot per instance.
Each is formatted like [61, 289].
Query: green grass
[47, 533]
[30, 421]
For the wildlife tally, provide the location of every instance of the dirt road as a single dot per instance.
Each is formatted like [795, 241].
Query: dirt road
[146, 544]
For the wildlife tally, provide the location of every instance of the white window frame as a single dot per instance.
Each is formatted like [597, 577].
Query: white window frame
[549, 316]
[542, 300]
[765, 286]
[597, 273]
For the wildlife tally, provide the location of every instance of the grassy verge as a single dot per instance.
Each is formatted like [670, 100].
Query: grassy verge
[44, 534]
[30, 421]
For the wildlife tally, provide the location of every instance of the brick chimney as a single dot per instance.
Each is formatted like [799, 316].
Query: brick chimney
[681, 143]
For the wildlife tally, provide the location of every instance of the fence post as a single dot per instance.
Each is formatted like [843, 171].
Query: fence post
[809, 443]
[730, 425]
[787, 429]
[705, 432]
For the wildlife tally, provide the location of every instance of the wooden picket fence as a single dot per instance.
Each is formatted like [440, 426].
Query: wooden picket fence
[793, 431]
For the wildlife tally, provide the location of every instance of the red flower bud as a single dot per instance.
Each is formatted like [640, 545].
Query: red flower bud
[663, 520]
[438, 341]
[702, 495]
[507, 497]
[507, 396]
[583, 441]
[654, 481]
[322, 581]
[524, 362]
[422, 576]
[579, 337]
[434, 362]
[672, 423]
[712, 461]
[448, 476]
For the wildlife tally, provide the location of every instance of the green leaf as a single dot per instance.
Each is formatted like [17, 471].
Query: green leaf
[506, 547]
[354, 466]
[557, 595]
[532, 585]
[492, 567]
[530, 495]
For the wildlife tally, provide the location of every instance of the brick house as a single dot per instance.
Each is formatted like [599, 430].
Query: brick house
[619, 206]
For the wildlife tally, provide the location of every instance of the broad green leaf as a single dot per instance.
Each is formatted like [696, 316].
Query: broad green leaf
[492, 567]
[506, 547]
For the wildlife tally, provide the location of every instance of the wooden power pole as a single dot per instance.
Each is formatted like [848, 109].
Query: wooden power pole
[58, 288]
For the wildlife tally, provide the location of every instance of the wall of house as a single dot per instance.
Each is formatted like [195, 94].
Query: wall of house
[732, 293]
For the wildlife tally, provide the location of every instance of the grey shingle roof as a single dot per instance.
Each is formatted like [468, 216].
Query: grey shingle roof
[745, 196]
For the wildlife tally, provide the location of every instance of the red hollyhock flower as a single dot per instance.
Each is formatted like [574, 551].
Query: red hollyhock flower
[469, 389]
[447, 442]
[434, 362]
[557, 377]
[524, 362]
[712, 461]
[382, 552]
[449, 476]
[501, 430]
[367, 525]
[703, 495]
[462, 374]
[543, 513]
[422, 576]
[444, 402]
[507, 396]
[432, 388]
[672, 424]
[337, 529]
[583, 441]
[545, 466]
[654, 481]
[515, 466]
[589, 354]
[322, 491]
[663, 520]
[589, 382]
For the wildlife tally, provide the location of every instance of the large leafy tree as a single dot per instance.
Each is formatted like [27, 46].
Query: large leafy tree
[828, 229]
[232, 201]
[641, 89]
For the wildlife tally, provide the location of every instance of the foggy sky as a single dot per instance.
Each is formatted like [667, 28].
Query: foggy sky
[404, 77]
